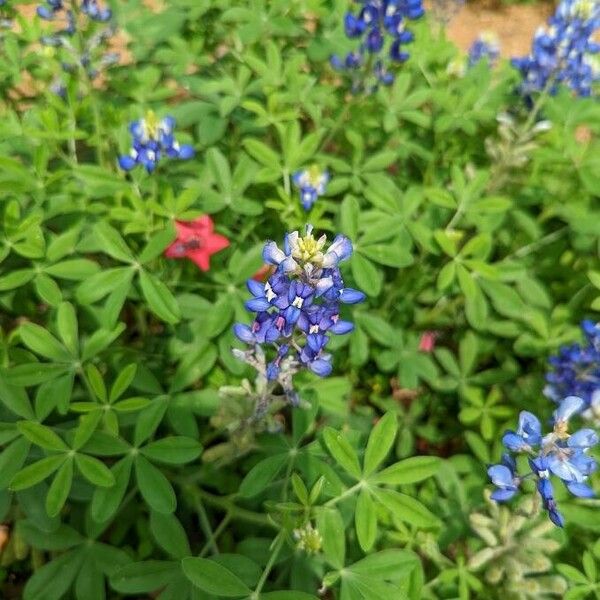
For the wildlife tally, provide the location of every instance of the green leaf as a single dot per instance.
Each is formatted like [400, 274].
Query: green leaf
[391, 565]
[31, 374]
[52, 580]
[287, 595]
[476, 308]
[333, 531]
[262, 153]
[380, 442]
[94, 471]
[87, 425]
[406, 508]
[47, 289]
[144, 577]
[36, 472]
[175, 450]
[42, 436]
[106, 501]
[169, 534]
[15, 399]
[342, 451]
[12, 458]
[96, 381]
[261, 475]
[59, 489]
[368, 278]
[378, 329]
[158, 243]
[349, 215]
[160, 300]
[66, 324]
[112, 243]
[213, 578]
[44, 343]
[154, 487]
[76, 269]
[103, 283]
[365, 520]
[409, 470]
[16, 279]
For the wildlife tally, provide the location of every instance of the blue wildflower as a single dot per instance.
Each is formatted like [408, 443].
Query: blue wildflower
[563, 53]
[557, 454]
[312, 183]
[152, 139]
[89, 56]
[297, 308]
[576, 372]
[379, 25]
[486, 47]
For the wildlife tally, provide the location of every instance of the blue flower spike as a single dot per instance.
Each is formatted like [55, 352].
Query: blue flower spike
[152, 139]
[381, 28]
[557, 454]
[297, 309]
[576, 372]
[311, 183]
[564, 52]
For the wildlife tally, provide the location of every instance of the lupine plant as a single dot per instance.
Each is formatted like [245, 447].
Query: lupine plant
[276, 325]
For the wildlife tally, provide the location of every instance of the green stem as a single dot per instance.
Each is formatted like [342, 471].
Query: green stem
[206, 527]
[225, 503]
[278, 545]
[217, 532]
[349, 492]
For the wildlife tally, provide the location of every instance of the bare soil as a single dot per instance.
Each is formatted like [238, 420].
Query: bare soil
[513, 25]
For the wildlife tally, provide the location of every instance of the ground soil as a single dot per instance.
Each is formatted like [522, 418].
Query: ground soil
[513, 25]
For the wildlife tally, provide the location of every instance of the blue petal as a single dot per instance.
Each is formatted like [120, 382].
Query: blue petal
[502, 495]
[584, 438]
[568, 407]
[342, 327]
[580, 489]
[321, 367]
[257, 304]
[350, 296]
[272, 254]
[501, 476]
[256, 288]
[186, 152]
[126, 163]
[243, 333]
[556, 518]
[514, 442]
[564, 469]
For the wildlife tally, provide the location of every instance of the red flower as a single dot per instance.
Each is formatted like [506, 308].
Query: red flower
[427, 341]
[196, 240]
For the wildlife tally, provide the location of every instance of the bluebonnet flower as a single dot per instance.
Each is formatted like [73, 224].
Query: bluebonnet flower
[51, 9]
[312, 183]
[558, 453]
[486, 47]
[563, 53]
[576, 371]
[79, 16]
[297, 308]
[380, 25]
[152, 138]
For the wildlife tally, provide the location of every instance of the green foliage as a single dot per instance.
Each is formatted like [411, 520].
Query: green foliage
[125, 472]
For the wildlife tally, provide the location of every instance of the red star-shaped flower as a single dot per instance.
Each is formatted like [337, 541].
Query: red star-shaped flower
[197, 241]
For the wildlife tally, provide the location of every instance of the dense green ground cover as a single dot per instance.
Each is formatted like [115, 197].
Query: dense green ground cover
[132, 464]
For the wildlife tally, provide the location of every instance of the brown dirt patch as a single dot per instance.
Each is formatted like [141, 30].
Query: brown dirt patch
[514, 25]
